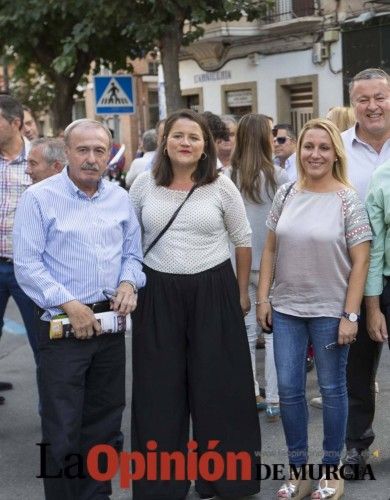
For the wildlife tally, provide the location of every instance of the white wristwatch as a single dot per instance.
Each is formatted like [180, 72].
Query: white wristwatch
[352, 317]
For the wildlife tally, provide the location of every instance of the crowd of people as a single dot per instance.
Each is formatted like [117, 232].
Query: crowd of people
[230, 229]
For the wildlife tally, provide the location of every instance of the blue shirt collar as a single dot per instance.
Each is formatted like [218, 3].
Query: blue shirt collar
[76, 191]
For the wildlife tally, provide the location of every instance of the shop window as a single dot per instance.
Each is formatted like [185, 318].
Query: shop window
[239, 99]
[193, 99]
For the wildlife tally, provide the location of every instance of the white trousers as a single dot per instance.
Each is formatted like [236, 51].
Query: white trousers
[252, 330]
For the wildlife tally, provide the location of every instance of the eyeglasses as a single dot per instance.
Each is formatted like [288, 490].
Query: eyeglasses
[281, 140]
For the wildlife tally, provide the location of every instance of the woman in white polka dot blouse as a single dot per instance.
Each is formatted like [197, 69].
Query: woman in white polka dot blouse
[190, 351]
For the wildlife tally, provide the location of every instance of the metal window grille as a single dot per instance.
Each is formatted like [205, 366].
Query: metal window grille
[301, 105]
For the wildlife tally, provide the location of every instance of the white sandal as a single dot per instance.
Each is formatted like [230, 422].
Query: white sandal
[299, 490]
[327, 491]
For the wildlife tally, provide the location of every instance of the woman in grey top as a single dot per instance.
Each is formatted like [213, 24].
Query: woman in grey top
[318, 245]
[257, 178]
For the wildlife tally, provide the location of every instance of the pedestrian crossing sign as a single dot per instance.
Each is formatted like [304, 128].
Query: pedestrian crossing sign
[114, 94]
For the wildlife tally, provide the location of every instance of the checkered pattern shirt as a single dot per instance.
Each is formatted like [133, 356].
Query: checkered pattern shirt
[13, 181]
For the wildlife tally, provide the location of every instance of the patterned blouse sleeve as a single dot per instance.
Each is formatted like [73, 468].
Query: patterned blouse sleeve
[234, 214]
[277, 206]
[136, 193]
[357, 225]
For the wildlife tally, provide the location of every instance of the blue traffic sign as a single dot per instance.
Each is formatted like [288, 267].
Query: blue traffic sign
[114, 94]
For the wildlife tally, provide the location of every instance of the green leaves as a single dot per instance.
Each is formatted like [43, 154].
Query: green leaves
[60, 38]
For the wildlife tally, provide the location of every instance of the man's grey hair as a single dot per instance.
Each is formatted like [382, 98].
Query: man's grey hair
[10, 109]
[229, 119]
[52, 150]
[87, 123]
[149, 140]
[369, 74]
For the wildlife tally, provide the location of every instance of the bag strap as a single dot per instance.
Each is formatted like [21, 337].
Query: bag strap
[287, 193]
[283, 201]
[169, 223]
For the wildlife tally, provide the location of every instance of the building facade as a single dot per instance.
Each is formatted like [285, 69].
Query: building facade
[292, 64]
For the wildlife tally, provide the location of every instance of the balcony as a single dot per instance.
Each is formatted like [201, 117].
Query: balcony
[290, 16]
[284, 10]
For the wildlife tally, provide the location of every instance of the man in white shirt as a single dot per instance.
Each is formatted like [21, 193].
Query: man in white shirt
[46, 158]
[285, 144]
[139, 165]
[367, 146]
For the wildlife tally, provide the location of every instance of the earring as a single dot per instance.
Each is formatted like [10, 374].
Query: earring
[165, 152]
[204, 157]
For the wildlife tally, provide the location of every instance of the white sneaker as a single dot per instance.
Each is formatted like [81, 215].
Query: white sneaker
[316, 402]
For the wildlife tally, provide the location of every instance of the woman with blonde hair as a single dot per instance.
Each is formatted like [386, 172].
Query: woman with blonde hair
[317, 248]
[342, 116]
[258, 179]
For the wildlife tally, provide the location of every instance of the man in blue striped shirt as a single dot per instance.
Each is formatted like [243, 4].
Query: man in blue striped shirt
[76, 235]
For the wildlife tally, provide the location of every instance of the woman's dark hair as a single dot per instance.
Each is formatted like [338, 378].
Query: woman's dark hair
[206, 170]
[252, 157]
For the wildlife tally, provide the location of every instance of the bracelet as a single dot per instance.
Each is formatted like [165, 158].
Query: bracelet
[258, 302]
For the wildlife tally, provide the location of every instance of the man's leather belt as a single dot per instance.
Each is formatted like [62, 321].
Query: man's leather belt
[6, 260]
[97, 307]
[100, 307]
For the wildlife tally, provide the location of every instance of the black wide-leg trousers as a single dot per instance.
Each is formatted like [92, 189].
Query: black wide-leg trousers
[191, 356]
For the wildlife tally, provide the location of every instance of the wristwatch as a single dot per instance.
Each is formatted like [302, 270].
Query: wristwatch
[135, 289]
[353, 317]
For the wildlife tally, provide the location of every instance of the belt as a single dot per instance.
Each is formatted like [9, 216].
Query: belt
[97, 307]
[100, 307]
[6, 260]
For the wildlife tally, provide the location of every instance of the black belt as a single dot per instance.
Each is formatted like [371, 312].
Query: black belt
[6, 260]
[97, 307]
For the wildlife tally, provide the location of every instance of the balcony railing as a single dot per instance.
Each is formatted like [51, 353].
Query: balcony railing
[284, 10]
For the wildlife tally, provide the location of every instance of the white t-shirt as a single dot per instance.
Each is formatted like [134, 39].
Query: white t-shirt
[362, 160]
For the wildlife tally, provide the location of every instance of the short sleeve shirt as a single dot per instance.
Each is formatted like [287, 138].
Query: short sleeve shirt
[314, 232]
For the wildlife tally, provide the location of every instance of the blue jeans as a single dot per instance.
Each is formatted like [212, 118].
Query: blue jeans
[291, 337]
[9, 287]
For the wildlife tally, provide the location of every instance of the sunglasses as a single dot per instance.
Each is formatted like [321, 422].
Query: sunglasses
[281, 140]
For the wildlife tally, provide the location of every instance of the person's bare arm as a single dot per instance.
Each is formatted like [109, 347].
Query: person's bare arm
[243, 265]
[376, 322]
[263, 309]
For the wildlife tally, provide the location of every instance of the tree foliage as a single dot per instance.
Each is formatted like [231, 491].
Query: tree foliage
[172, 23]
[60, 39]
[55, 41]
